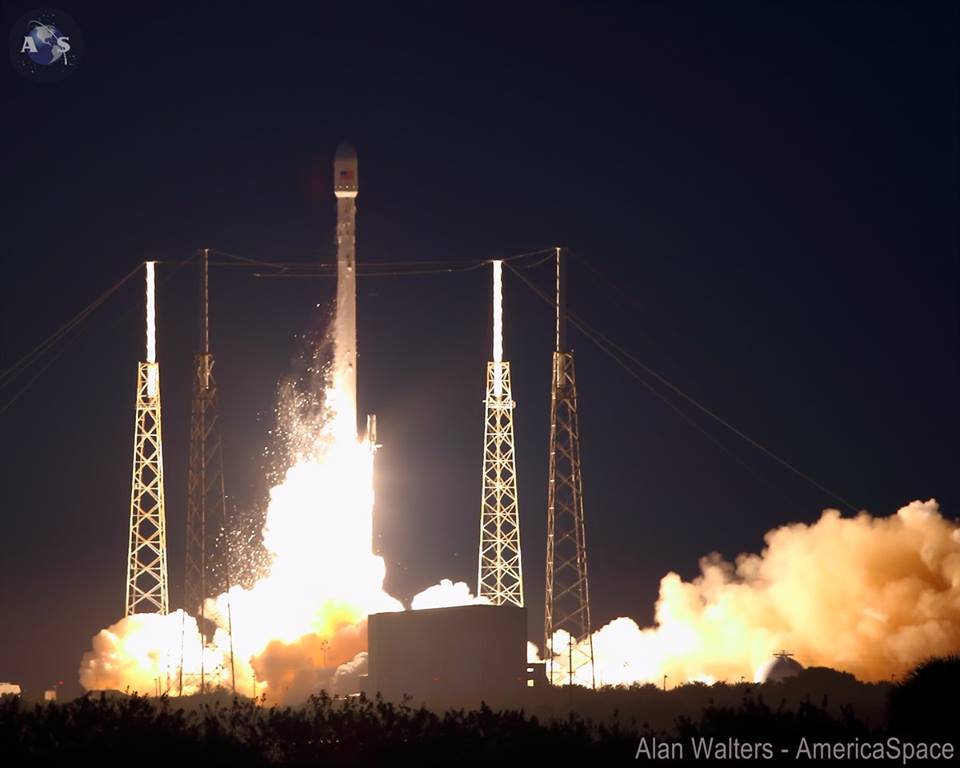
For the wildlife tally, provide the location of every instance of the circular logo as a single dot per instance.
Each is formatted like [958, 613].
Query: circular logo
[45, 45]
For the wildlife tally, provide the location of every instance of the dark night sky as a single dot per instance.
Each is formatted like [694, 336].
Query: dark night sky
[771, 189]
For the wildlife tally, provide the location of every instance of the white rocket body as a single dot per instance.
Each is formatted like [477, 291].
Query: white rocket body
[345, 188]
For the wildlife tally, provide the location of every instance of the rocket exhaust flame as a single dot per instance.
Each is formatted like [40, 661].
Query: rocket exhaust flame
[872, 596]
[323, 578]
[302, 626]
[306, 618]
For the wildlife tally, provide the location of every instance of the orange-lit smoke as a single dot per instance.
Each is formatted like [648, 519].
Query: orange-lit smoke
[302, 626]
[872, 596]
[868, 595]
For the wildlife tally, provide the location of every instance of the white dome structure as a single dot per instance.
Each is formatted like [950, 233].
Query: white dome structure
[779, 668]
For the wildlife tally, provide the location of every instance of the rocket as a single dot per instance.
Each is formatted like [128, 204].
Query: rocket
[345, 188]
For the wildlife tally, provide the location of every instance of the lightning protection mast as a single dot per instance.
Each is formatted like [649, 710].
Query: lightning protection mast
[207, 568]
[568, 596]
[147, 553]
[500, 576]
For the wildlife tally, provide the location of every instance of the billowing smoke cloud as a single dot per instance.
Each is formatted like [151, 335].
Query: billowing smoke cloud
[872, 596]
[301, 627]
[347, 677]
[868, 595]
[141, 654]
[293, 671]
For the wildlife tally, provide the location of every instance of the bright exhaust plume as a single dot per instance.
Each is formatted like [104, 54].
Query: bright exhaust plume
[302, 627]
[869, 595]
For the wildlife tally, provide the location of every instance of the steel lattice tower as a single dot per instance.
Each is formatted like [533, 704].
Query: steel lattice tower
[147, 554]
[567, 594]
[500, 576]
[207, 568]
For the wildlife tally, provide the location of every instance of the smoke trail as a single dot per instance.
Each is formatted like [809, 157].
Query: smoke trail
[868, 595]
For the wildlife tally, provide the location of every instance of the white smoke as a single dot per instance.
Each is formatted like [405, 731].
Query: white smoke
[348, 675]
[445, 595]
[141, 654]
[872, 596]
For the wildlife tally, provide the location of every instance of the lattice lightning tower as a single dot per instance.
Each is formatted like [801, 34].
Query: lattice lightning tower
[568, 596]
[207, 571]
[147, 554]
[500, 576]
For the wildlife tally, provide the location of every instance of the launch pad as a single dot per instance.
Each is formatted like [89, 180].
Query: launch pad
[459, 652]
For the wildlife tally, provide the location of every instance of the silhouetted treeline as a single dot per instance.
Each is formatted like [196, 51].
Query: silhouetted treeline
[114, 730]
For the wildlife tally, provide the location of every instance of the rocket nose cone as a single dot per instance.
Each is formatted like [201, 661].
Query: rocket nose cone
[345, 152]
[345, 173]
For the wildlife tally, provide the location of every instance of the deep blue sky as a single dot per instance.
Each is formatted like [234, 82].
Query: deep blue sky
[771, 189]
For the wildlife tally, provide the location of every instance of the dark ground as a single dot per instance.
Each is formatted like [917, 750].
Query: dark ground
[607, 725]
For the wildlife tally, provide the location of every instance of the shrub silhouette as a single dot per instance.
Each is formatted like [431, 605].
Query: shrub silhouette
[923, 705]
[218, 730]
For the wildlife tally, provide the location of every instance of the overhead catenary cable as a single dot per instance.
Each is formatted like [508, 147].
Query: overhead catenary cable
[309, 269]
[370, 269]
[622, 357]
[65, 329]
[34, 356]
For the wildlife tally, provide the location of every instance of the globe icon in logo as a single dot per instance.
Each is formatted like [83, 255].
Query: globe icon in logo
[47, 46]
